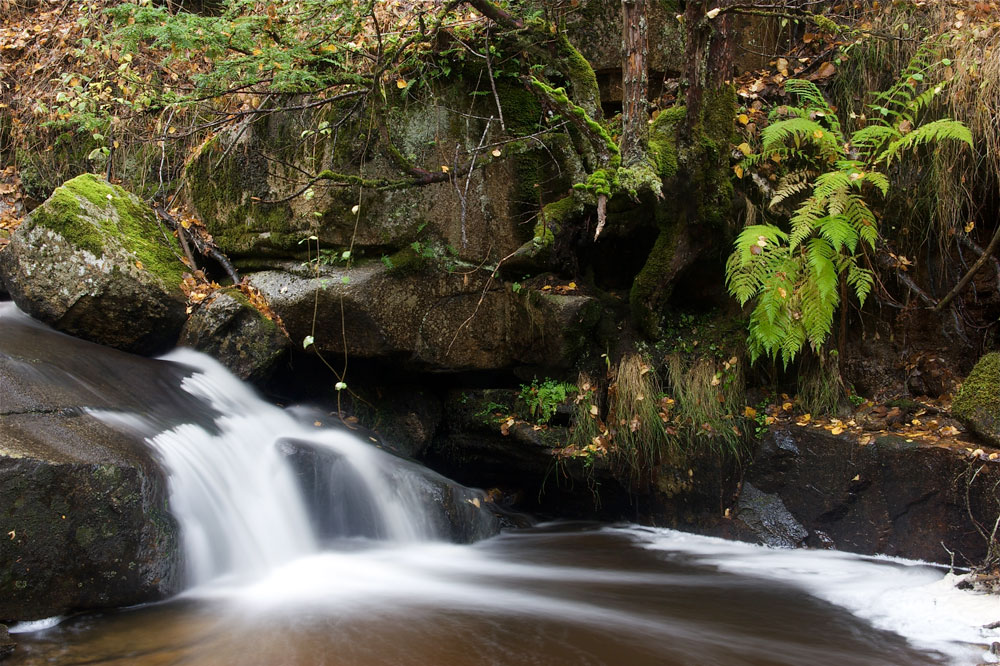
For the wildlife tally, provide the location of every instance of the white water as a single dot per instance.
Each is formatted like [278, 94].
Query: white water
[250, 540]
[235, 495]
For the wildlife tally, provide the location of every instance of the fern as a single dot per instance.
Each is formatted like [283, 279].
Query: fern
[934, 132]
[794, 277]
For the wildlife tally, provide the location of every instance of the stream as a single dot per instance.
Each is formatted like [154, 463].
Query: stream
[353, 564]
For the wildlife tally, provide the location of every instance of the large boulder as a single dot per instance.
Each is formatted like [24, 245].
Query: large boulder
[429, 319]
[83, 507]
[230, 329]
[247, 184]
[978, 401]
[93, 262]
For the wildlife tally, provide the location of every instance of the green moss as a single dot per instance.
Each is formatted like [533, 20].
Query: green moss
[648, 287]
[581, 76]
[714, 135]
[553, 216]
[978, 401]
[663, 140]
[119, 217]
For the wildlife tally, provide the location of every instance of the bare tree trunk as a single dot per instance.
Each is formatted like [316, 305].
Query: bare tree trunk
[635, 81]
[708, 61]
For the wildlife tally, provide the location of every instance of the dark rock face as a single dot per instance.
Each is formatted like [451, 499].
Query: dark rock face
[82, 506]
[768, 517]
[6, 644]
[91, 261]
[889, 496]
[429, 320]
[237, 335]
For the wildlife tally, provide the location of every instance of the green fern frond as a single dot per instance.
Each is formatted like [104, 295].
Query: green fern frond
[790, 185]
[945, 129]
[839, 232]
[879, 180]
[805, 220]
[861, 280]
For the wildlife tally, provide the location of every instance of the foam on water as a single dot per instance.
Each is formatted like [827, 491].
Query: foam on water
[913, 599]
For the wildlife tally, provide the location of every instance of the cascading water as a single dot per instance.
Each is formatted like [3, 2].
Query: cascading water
[236, 495]
[309, 546]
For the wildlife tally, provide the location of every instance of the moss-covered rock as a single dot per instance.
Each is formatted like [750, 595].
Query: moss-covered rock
[247, 186]
[978, 401]
[93, 261]
[229, 328]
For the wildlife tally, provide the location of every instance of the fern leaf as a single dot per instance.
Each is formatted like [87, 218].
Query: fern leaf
[940, 130]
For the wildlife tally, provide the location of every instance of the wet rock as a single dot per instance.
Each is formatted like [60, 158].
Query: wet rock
[82, 507]
[237, 335]
[977, 403]
[890, 496]
[428, 320]
[7, 644]
[93, 262]
[770, 520]
[340, 505]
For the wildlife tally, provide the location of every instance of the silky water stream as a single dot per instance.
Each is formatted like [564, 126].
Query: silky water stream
[351, 564]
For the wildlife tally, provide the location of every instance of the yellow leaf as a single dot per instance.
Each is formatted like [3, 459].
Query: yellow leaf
[857, 477]
[749, 412]
[744, 148]
[776, 158]
[593, 410]
[738, 170]
[782, 292]
[837, 430]
[172, 130]
[787, 406]
[444, 168]
[401, 83]
[138, 264]
[818, 134]
[970, 226]
[743, 118]
[496, 152]
[571, 285]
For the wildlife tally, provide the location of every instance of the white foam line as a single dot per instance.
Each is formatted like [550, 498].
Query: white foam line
[910, 598]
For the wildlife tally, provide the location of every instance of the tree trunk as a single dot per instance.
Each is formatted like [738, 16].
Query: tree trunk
[708, 58]
[635, 81]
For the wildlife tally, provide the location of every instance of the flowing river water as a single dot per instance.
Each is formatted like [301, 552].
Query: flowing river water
[359, 571]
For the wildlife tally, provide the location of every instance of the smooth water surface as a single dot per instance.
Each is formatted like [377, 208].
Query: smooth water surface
[359, 572]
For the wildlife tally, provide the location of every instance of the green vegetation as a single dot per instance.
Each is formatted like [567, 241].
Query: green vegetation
[543, 398]
[91, 214]
[832, 180]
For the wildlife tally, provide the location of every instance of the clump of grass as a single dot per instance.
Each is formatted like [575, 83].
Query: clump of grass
[635, 419]
[820, 389]
[709, 402]
[588, 432]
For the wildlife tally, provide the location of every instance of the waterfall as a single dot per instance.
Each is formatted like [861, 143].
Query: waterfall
[254, 486]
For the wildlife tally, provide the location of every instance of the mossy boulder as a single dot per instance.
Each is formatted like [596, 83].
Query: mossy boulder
[92, 261]
[249, 186]
[977, 403]
[230, 329]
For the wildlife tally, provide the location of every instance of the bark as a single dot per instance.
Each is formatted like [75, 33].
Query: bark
[708, 56]
[635, 81]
